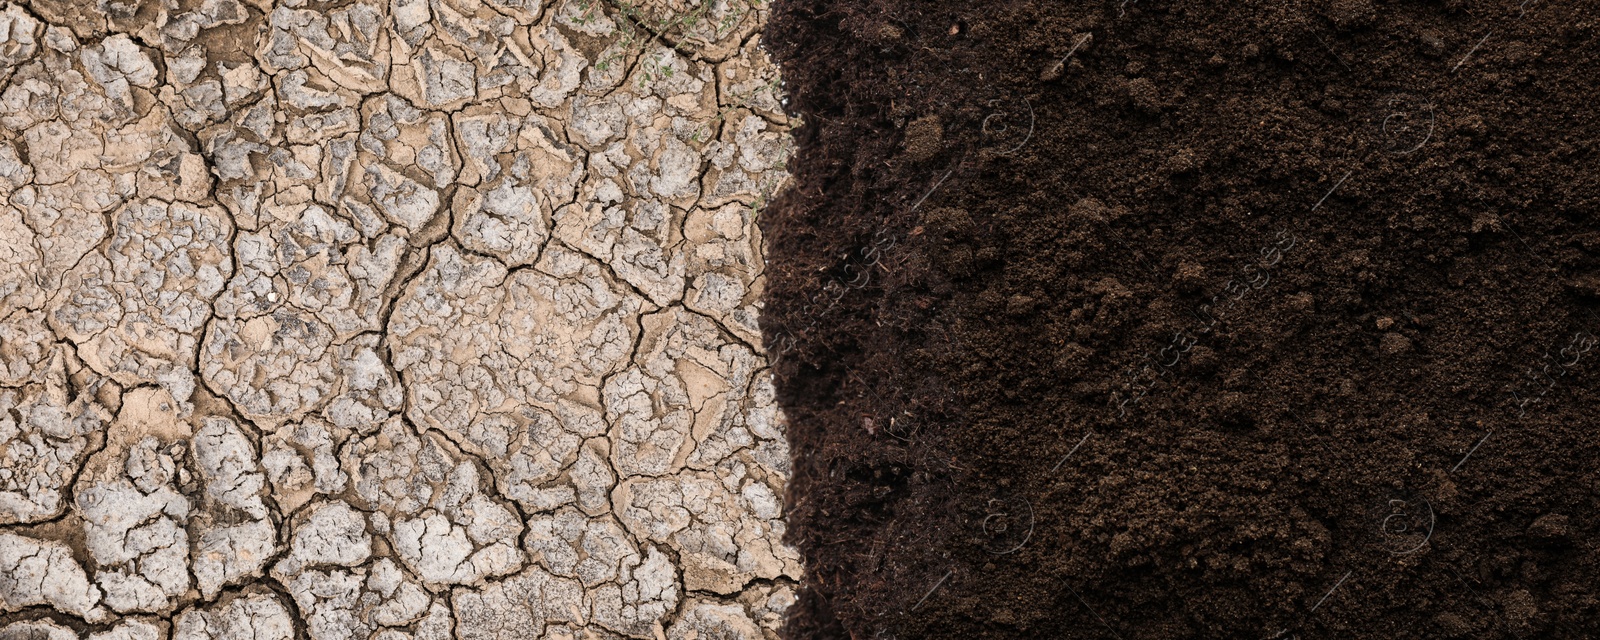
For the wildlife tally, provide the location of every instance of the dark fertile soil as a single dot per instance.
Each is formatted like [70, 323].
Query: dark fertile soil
[1162, 319]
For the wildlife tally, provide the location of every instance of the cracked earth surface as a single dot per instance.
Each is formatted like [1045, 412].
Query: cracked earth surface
[387, 319]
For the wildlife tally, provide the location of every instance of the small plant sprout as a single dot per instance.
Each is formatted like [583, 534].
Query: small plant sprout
[588, 12]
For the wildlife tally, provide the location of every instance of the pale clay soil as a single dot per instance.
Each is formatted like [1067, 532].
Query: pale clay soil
[387, 319]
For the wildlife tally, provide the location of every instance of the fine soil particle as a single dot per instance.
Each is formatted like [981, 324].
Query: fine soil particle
[1203, 320]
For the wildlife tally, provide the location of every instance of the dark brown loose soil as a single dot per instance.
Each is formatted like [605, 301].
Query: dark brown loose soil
[1160, 319]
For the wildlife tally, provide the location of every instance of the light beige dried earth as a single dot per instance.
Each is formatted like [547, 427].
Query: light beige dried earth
[387, 319]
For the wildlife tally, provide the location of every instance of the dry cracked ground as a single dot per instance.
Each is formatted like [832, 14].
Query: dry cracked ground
[387, 319]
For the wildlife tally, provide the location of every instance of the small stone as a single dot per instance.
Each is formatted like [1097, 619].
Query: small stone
[1551, 527]
[1394, 344]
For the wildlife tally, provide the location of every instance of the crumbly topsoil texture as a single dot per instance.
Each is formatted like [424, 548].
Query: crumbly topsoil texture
[1253, 319]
